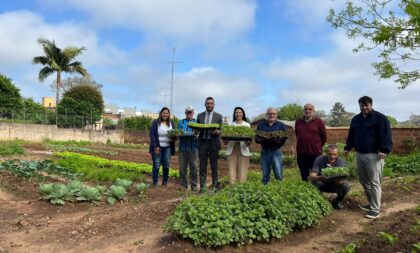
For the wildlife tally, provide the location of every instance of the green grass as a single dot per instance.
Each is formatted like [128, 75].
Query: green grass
[11, 148]
[144, 146]
[71, 143]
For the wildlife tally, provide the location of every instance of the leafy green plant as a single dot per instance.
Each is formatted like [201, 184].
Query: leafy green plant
[76, 149]
[89, 194]
[272, 134]
[102, 169]
[237, 131]
[389, 238]
[143, 146]
[71, 143]
[115, 193]
[75, 187]
[56, 193]
[37, 169]
[11, 148]
[175, 132]
[123, 182]
[416, 248]
[349, 248]
[404, 165]
[204, 126]
[141, 189]
[248, 212]
[335, 171]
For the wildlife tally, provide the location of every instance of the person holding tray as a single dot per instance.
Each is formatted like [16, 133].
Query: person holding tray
[340, 187]
[161, 145]
[209, 144]
[237, 152]
[188, 150]
[271, 156]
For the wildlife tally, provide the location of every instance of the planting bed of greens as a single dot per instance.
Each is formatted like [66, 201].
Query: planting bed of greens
[102, 169]
[248, 212]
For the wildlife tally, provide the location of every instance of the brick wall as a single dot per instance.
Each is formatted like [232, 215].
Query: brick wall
[405, 139]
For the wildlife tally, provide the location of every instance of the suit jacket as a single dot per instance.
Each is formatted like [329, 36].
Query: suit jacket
[215, 139]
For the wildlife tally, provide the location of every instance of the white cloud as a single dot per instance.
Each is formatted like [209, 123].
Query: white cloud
[192, 87]
[211, 21]
[19, 32]
[342, 76]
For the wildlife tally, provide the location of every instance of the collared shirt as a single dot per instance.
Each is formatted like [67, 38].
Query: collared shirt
[370, 135]
[207, 120]
[322, 162]
[186, 143]
[276, 126]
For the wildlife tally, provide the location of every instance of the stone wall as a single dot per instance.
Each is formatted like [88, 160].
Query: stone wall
[36, 133]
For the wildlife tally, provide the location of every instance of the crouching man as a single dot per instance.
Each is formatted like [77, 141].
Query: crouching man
[340, 187]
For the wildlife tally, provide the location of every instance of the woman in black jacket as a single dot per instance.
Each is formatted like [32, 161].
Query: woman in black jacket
[161, 146]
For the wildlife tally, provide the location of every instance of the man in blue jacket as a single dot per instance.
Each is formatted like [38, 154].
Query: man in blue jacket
[370, 135]
[188, 151]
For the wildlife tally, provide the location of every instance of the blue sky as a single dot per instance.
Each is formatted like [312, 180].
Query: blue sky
[253, 54]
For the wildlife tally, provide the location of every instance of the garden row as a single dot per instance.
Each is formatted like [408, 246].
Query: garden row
[248, 212]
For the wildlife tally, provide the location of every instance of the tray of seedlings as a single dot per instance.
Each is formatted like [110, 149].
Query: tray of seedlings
[237, 133]
[335, 173]
[195, 125]
[271, 135]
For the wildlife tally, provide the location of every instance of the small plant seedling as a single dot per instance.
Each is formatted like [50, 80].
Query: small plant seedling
[389, 238]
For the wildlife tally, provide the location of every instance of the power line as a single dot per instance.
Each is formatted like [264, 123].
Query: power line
[172, 62]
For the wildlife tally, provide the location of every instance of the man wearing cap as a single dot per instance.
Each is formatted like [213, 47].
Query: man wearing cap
[188, 151]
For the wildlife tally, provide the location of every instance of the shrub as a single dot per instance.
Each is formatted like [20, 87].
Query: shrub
[404, 165]
[248, 212]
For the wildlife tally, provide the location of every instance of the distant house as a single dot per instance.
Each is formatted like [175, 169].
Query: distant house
[48, 102]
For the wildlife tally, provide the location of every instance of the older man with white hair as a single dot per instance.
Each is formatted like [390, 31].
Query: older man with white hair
[271, 156]
[188, 153]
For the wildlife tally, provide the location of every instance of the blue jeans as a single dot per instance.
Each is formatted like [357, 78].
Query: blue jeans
[163, 159]
[271, 159]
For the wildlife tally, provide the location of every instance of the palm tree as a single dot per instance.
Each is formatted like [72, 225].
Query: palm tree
[58, 61]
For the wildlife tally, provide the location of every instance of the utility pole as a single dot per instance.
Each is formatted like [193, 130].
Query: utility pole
[172, 62]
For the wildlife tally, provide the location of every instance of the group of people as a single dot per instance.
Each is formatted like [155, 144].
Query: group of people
[369, 135]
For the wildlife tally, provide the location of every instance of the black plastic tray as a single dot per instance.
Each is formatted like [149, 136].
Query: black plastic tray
[236, 138]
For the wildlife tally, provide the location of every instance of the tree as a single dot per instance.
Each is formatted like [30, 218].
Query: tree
[393, 29]
[136, 123]
[70, 82]
[339, 115]
[291, 111]
[58, 61]
[83, 103]
[392, 121]
[10, 99]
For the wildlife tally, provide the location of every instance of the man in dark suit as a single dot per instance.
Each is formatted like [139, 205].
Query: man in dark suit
[209, 144]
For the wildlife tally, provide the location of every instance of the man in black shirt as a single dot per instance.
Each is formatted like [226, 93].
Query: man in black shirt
[370, 135]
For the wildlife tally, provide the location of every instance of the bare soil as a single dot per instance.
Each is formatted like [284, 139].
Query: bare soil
[30, 224]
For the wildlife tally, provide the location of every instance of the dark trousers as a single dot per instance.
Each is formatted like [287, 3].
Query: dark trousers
[187, 159]
[205, 152]
[332, 187]
[305, 164]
